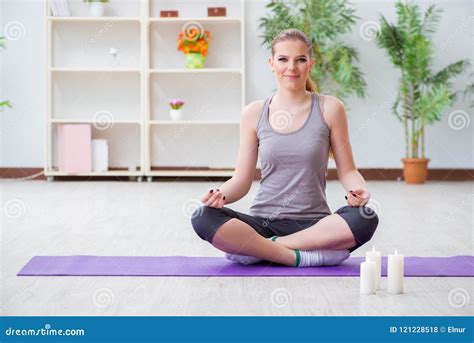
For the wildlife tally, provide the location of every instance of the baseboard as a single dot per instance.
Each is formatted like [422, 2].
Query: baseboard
[381, 174]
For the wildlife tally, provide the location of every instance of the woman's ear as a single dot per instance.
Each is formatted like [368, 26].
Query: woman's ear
[270, 63]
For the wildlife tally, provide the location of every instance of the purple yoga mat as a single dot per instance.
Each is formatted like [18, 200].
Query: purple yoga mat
[219, 266]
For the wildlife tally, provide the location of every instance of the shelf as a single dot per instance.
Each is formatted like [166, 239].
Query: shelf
[197, 71]
[107, 173]
[92, 19]
[200, 20]
[88, 121]
[98, 70]
[124, 97]
[195, 173]
[193, 122]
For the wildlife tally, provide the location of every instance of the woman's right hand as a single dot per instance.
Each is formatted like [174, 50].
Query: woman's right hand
[213, 198]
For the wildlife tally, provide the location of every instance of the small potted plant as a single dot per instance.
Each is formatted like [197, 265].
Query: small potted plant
[194, 42]
[175, 111]
[96, 7]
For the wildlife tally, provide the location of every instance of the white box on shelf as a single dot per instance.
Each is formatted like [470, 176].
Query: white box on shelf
[53, 4]
[100, 155]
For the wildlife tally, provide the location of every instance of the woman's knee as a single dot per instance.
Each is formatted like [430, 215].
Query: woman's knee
[369, 220]
[203, 221]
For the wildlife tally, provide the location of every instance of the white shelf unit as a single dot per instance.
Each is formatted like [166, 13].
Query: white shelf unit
[85, 85]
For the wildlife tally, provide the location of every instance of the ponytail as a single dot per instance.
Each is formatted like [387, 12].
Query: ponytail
[311, 86]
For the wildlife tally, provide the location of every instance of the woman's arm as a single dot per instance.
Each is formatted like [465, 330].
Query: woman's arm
[350, 178]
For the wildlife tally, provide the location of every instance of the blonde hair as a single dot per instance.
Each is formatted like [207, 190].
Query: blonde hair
[295, 34]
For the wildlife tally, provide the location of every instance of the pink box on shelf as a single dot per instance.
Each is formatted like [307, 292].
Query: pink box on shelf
[74, 148]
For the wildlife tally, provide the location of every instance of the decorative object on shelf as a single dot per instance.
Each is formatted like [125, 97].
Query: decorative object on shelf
[74, 148]
[100, 155]
[216, 11]
[175, 111]
[59, 8]
[194, 42]
[97, 7]
[167, 14]
[114, 53]
[423, 95]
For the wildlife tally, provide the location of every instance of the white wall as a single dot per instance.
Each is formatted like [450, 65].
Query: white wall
[377, 136]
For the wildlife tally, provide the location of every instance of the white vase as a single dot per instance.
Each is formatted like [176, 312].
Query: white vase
[96, 9]
[175, 114]
[100, 155]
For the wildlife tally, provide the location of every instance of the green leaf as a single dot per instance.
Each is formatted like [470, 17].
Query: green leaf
[452, 70]
[431, 20]
[5, 103]
[433, 100]
[390, 38]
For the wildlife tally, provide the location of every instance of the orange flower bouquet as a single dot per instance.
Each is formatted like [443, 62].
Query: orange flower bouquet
[194, 42]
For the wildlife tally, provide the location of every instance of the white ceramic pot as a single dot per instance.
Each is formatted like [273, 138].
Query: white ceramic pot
[96, 9]
[175, 114]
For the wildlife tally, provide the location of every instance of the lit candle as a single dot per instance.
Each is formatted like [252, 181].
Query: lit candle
[375, 256]
[367, 278]
[395, 273]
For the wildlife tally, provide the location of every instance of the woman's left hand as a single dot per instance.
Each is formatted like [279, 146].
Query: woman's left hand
[358, 197]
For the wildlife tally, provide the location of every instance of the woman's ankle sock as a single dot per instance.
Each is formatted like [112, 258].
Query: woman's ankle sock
[313, 258]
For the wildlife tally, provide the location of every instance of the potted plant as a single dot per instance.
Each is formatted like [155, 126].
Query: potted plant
[175, 111]
[96, 7]
[324, 21]
[4, 103]
[422, 94]
[194, 42]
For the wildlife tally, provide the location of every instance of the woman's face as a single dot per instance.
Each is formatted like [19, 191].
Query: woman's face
[291, 64]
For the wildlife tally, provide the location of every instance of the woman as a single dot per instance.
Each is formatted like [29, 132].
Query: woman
[293, 131]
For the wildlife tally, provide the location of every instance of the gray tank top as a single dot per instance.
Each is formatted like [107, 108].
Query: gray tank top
[294, 168]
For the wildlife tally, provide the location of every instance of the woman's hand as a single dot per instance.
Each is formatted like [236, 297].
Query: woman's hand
[213, 198]
[357, 198]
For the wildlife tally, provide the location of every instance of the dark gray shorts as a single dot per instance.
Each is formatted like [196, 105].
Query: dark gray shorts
[206, 220]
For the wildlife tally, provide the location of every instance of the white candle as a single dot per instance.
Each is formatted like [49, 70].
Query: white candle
[367, 277]
[395, 273]
[375, 256]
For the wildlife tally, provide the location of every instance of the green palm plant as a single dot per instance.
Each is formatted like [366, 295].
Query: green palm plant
[3, 103]
[335, 68]
[422, 94]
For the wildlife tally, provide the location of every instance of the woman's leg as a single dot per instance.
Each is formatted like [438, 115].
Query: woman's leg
[237, 237]
[331, 233]
[231, 232]
[348, 228]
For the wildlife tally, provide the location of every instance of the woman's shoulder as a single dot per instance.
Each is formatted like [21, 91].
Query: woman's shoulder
[329, 101]
[251, 113]
[331, 108]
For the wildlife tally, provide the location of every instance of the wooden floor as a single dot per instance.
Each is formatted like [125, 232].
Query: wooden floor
[129, 218]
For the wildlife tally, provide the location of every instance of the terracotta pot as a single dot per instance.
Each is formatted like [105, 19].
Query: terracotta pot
[415, 170]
